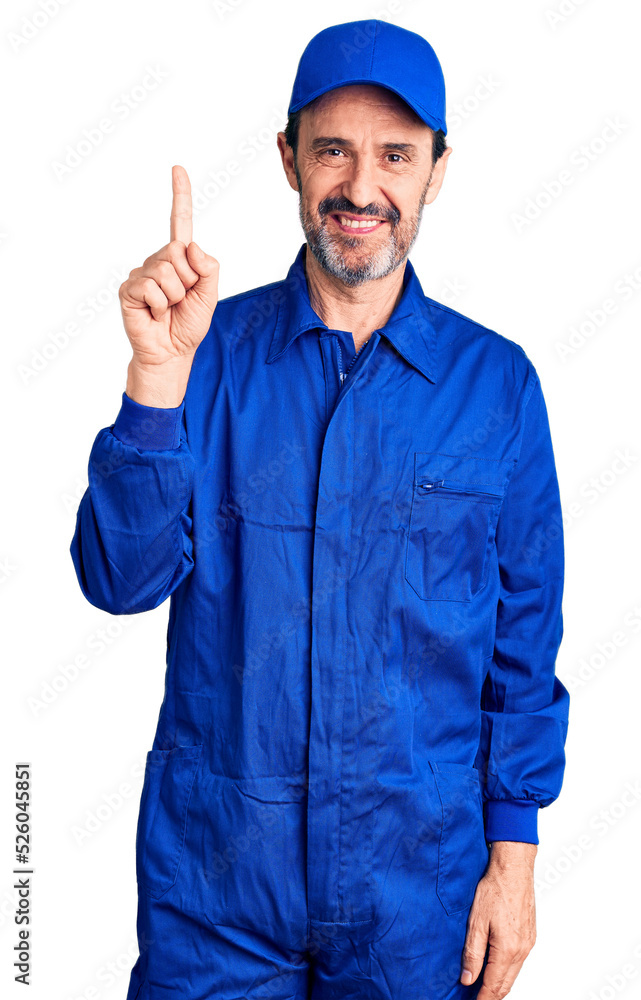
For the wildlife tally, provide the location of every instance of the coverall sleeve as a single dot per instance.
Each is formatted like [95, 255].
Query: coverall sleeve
[524, 706]
[132, 545]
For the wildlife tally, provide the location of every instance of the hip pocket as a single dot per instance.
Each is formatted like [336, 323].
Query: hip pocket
[453, 516]
[463, 852]
[162, 820]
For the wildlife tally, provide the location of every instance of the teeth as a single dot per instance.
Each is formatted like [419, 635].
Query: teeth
[353, 224]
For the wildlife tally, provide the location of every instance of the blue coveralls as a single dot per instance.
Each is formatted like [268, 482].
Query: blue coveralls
[366, 576]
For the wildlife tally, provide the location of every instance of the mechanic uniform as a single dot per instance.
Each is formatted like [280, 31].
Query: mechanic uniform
[364, 555]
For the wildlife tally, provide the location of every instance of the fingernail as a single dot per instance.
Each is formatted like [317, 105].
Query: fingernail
[198, 251]
[466, 977]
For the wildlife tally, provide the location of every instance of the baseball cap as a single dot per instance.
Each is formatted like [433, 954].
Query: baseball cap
[376, 52]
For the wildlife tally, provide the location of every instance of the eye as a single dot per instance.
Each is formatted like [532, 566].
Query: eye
[335, 149]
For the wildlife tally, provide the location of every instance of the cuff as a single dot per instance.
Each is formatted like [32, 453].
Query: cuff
[511, 819]
[152, 427]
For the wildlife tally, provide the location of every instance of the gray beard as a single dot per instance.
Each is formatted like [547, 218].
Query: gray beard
[382, 261]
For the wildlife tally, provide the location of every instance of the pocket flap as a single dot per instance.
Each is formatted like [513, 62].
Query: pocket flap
[162, 819]
[463, 851]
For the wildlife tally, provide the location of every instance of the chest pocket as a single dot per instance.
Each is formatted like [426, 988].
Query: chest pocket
[454, 511]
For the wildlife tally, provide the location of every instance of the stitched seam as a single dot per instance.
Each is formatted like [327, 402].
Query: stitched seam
[371, 58]
[349, 566]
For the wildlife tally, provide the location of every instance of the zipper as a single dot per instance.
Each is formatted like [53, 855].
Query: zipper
[432, 484]
[355, 356]
[341, 374]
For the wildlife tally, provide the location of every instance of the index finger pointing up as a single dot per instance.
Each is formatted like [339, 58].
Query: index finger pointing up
[181, 216]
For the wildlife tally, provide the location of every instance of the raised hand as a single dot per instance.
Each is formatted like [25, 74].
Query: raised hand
[167, 304]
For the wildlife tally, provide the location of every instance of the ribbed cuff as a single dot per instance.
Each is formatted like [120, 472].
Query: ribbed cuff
[151, 427]
[512, 819]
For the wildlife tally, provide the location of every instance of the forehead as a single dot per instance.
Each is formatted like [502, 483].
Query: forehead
[354, 101]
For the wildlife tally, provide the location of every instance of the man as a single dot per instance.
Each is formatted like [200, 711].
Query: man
[349, 491]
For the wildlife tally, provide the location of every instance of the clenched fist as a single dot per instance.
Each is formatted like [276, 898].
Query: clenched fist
[167, 307]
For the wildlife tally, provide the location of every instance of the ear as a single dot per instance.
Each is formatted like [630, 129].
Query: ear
[438, 174]
[287, 156]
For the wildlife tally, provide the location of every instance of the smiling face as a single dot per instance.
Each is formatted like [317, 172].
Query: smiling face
[363, 157]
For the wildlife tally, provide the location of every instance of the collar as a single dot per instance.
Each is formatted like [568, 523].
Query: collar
[409, 329]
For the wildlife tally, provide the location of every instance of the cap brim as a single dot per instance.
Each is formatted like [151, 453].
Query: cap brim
[425, 116]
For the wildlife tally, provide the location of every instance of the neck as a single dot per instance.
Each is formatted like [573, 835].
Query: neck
[359, 310]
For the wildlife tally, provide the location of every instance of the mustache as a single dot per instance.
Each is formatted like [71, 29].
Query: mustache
[332, 206]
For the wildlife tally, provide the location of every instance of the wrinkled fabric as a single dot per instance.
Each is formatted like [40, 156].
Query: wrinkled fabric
[364, 557]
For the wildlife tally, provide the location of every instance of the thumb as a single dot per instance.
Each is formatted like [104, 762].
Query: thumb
[207, 267]
[474, 951]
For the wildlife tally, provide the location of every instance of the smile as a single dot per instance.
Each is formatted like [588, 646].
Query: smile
[354, 225]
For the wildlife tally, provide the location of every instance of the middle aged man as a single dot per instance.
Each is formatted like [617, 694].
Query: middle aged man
[349, 491]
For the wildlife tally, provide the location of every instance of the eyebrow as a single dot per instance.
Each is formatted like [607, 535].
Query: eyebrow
[322, 141]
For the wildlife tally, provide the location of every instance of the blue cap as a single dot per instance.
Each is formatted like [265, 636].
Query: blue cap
[374, 52]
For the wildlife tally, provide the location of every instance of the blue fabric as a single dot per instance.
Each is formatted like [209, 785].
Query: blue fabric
[373, 52]
[360, 690]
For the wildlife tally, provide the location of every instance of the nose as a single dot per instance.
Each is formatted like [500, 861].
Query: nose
[360, 184]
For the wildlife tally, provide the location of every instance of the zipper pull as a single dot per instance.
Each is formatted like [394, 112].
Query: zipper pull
[430, 484]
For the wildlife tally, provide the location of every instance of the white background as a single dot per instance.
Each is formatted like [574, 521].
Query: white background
[528, 85]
